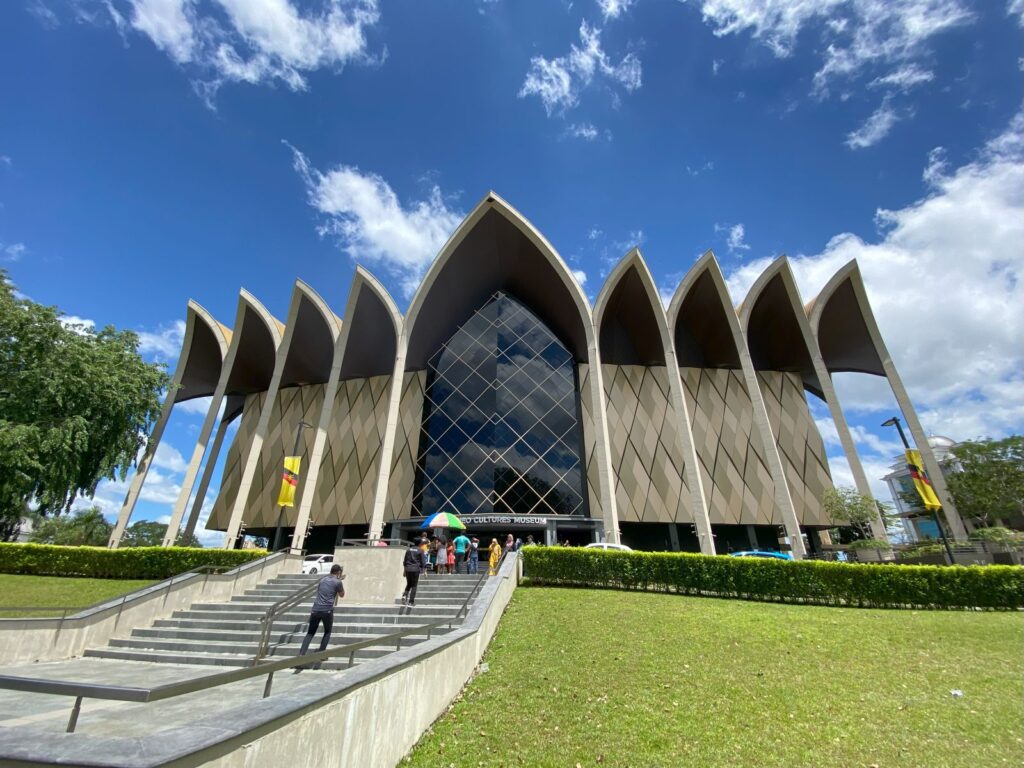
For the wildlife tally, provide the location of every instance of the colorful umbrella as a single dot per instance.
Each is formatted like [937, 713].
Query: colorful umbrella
[443, 520]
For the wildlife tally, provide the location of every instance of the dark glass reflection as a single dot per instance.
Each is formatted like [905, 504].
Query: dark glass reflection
[500, 426]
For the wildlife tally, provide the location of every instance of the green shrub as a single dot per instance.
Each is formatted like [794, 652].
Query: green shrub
[808, 581]
[997, 533]
[126, 563]
[869, 544]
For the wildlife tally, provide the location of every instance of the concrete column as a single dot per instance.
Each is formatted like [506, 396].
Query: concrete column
[307, 492]
[387, 448]
[178, 511]
[602, 448]
[846, 439]
[673, 537]
[135, 487]
[931, 466]
[204, 484]
[694, 482]
[783, 499]
[251, 454]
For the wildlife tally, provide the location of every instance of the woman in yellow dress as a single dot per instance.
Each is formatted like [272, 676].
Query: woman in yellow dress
[495, 550]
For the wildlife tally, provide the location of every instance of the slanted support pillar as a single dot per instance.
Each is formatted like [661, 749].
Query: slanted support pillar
[135, 487]
[860, 479]
[387, 448]
[602, 445]
[204, 485]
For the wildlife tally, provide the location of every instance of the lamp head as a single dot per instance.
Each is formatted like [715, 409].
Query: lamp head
[891, 422]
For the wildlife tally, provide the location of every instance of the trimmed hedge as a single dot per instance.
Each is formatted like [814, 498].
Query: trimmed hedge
[805, 581]
[125, 563]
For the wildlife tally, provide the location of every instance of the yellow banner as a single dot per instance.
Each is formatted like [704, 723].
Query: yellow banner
[289, 481]
[921, 482]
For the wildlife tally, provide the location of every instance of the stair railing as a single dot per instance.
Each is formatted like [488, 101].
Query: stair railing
[282, 606]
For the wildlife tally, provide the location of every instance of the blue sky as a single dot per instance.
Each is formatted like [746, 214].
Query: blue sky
[250, 142]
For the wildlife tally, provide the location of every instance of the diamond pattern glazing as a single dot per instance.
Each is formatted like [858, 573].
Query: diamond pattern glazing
[501, 431]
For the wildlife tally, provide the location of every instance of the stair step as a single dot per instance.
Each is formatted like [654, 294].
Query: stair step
[249, 649]
[233, 660]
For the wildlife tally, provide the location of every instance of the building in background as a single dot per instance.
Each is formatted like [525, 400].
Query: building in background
[917, 522]
[503, 396]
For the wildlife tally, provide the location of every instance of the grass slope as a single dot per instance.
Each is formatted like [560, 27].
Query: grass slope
[587, 677]
[58, 591]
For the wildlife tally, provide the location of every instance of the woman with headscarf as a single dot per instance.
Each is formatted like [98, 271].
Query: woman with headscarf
[495, 556]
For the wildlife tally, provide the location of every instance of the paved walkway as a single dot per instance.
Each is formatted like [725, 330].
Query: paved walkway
[49, 713]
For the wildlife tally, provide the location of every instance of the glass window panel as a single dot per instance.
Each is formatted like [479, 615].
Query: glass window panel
[500, 421]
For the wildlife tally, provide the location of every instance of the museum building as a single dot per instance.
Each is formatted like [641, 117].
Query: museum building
[501, 395]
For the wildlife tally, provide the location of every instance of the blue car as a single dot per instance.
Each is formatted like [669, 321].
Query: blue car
[769, 553]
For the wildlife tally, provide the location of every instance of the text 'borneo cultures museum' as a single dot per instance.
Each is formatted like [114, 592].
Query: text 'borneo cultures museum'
[502, 396]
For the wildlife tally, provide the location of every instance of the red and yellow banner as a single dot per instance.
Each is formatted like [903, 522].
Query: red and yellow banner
[289, 481]
[921, 482]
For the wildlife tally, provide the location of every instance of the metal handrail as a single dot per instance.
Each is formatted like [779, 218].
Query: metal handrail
[364, 542]
[170, 690]
[275, 610]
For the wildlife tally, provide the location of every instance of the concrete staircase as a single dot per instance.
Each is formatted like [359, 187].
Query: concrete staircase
[228, 634]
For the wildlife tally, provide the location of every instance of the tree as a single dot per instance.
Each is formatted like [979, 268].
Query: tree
[75, 405]
[87, 527]
[844, 505]
[149, 533]
[986, 478]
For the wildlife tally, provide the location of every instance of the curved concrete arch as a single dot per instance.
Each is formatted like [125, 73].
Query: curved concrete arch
[703, 319]
[621, 326]
[630, 337]
[773, 314]
[487, 230]
[359, 352]
[523, 262]
[304, 356]
[838, 323]
[200, 363]
[844, 325]
[248, 368]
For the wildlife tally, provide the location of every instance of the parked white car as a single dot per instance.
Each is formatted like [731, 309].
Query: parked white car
[608, 545]
[317, 563]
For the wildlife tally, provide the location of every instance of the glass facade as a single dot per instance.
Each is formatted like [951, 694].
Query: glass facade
[501, 430]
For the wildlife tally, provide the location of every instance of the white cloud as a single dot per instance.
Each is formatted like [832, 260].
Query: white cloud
[904, 78]
[6, 160]
[946, 282]
[716, 64]
[168, 457]
[612, 9]
[558, 82]
[43, 14]
[197, 406]
[875, 128]
[581, 276]
[80, 325]
[251, 41]
[699, 169]
[1016, 8]
[164, 343]
[735, 241]
[587, 132]
[372, 225]
[12, 252]
[855, 34]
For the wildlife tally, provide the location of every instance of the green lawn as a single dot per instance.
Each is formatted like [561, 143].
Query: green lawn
[58, 592]
[589, 677]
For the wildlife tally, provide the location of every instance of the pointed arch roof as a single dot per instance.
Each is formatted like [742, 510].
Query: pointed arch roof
[778, 335]
[375, 324]
[203, 348]
[629, 316]
[839, 317]
[496, 248]
[705, 328]
[254, 345]
[312, 330]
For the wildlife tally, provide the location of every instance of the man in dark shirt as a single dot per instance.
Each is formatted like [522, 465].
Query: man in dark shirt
[328, 591]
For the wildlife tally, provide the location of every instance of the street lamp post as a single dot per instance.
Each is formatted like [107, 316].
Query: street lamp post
[895, 422]
[280, 515]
